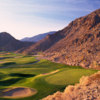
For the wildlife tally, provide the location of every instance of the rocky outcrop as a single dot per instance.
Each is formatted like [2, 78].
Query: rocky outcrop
[87, 89]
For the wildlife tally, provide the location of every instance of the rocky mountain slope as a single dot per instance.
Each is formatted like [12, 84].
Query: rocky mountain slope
[81, 45]
[87, 89]
[76, 44]
[37, 37]
[9, 43]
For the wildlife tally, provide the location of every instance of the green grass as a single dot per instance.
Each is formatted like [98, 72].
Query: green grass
[68, 76]
[19, 70]
[19, 60]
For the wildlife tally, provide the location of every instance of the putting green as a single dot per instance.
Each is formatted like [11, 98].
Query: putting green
[68, 76]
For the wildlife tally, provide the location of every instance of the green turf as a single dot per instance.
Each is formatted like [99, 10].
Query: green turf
[68, 76]
[19, 60]
[19, 70]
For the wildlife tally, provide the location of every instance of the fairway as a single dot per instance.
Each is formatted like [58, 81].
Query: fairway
[44, 76]
[68, 76]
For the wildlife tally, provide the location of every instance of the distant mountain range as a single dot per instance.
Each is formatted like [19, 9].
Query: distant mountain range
[77, 44]
[37, 37]
[9, 43]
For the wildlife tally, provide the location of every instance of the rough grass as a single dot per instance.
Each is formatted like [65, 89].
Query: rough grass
[24, 72]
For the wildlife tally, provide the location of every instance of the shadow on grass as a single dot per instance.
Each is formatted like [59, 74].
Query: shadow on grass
[8, 63]
[2, 75]
[32, 62]
[9, 81]
[22, 75]
[1, 58]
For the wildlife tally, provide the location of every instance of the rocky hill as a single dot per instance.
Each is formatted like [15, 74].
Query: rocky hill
[9, 43]
[81, 44]
[87, 89]
[76, 44]
[37, 37]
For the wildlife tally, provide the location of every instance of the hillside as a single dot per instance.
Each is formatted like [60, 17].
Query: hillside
[87, 89]
[76, 44]
[9, 43]
[81, 45]
[43, 44]
[37, 37]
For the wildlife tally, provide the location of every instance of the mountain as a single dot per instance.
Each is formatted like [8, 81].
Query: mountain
[77, 44]
[9, 43]
[87, 89]
[37, 37]
[43, 44]
[81, 44]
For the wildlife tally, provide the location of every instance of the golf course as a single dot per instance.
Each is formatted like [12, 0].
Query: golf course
[24, 77]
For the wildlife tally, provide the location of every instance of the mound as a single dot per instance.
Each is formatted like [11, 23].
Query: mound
[87, 89]
[17, 92]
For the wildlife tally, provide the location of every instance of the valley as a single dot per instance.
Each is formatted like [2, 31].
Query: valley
[57, 65]
[44, 77]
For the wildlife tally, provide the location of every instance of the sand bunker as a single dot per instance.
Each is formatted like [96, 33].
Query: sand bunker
[18, 92]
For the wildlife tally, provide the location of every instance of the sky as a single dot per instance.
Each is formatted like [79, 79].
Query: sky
[26, 18]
